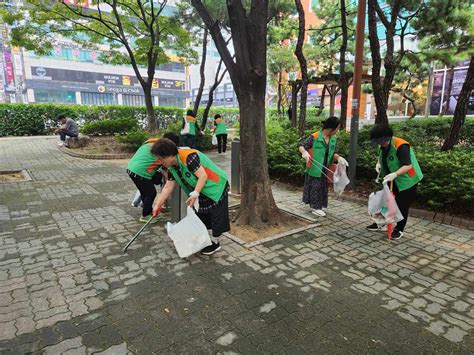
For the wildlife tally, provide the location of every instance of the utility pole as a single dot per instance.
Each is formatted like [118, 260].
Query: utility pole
[359, 58]
[429, 90]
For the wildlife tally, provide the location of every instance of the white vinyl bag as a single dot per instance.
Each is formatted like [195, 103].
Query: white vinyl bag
[214, 139]
[188, 235]
[340, 179]
[383, 203]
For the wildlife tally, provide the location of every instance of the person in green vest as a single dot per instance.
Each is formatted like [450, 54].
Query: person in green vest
[189, 130]
[220, 130]
[318, 150]
[396, 162]
[203, 181]
[145, 171]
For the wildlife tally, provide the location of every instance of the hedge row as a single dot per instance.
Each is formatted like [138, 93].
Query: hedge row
[448, 183]
[36, 119]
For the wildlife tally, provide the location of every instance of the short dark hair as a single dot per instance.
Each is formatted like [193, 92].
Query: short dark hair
[164, 148]
[216, 116]
[190, 113]
[381, 131]
[331, 123]
[172, 137]
[60, 117]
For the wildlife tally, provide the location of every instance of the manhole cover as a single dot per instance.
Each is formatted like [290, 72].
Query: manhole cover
[14, 176]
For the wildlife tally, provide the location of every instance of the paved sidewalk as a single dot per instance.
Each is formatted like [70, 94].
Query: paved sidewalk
[66, 286]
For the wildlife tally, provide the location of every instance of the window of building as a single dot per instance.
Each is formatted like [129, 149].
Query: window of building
[171, 101]
[55, 96]
[133, 100]
[95, 98]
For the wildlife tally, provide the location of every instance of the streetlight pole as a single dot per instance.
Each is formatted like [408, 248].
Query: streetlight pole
[359, 56]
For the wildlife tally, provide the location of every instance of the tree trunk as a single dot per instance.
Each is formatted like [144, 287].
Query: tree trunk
[150, 112]
[249, 77]
[343, 81]
[321, 102]
[448, 95]
[303, 66]
[201, 72]
[376, 65]
[258, 206]
[279, 94]
[210, 101]
[413, 105]
[461, 109]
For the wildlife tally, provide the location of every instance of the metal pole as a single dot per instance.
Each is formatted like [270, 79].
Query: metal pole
[235, 167]
[359, 56]
[177, 205]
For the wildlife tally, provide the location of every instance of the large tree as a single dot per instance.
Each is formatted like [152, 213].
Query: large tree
[303, 65]
[396, 18]
[248, 27]
[334, 43]
[135, 32]
[446, 30]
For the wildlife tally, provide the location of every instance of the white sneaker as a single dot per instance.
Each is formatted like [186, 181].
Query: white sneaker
[61, 144]
[319, 213]
[324, 209]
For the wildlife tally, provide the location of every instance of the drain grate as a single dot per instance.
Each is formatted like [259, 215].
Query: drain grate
[14, 176]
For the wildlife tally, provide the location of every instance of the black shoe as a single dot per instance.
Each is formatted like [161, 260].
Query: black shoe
[211, 249]
[373, 227]
[396, 235]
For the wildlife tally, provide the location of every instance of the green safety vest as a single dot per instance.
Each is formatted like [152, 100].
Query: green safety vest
[408, 179]
[220, 126]
[216, 177]
[192, 124]
[317, 153]
[144, 163]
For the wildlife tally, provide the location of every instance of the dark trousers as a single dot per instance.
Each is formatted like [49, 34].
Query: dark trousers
[64, 133]
[404, 200]
[221, 142]
[147, 191]
[188, 140]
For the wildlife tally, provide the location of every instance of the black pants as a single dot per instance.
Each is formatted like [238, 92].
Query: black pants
[217, 219]
[64, 133]
[188, 140]
[147, 191]
[404, 200]
[221, 142]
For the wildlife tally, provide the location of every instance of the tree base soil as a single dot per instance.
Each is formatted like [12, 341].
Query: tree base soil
[250, 234]
[103, 145]
[11, 176]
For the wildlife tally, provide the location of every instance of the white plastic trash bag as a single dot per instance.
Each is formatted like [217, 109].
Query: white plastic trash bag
[137, 199]
[340, 179]
[189, 235]
[214, 139]
[382, 205]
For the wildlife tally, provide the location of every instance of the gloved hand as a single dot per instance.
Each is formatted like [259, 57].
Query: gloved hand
[390, 177]
[343, 161]
[378, 167]
[306, 156]
[156, 211]
[193, 200]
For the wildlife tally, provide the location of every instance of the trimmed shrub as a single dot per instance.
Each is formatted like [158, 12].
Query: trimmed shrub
[107, 127]
[133, 139]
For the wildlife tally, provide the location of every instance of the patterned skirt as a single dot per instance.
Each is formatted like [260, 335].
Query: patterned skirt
[315, 192]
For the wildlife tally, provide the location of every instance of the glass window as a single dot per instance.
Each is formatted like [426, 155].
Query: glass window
[171, 101]
[55, 96]
[95, 98]
[133, 100]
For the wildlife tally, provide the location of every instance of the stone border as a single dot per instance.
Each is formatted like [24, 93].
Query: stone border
[95, 156]
[437, 217]
[26, 176]
[276, 236]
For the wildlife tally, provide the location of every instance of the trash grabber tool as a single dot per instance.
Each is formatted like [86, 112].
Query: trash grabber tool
[139, 232]
[323, 167]
[390, 225]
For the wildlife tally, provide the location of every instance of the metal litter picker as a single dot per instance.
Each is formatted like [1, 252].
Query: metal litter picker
[139, 232]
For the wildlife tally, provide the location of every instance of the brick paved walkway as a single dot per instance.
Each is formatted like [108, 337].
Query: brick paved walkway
[66, 286]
